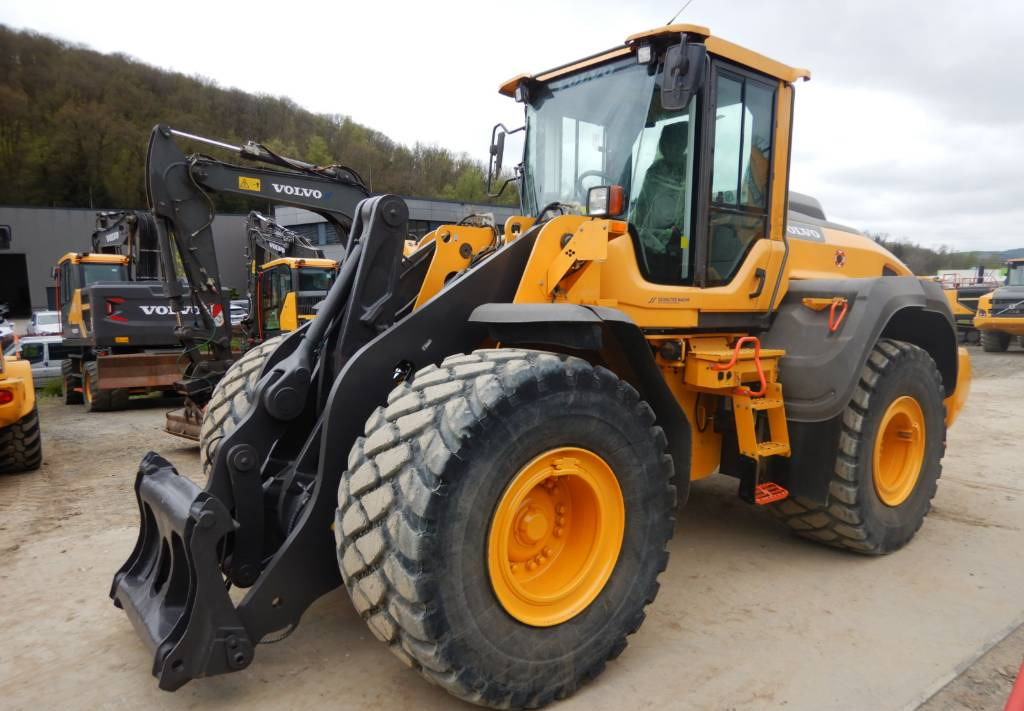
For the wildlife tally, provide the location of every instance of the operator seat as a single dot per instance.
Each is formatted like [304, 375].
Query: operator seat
[660, 208]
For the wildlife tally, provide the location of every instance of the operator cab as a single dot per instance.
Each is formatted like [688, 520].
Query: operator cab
[289, 291]
[689, 164]
[76, 271]
[1015, 272]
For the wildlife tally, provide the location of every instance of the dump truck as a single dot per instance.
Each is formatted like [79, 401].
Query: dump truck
[487, 444]
[1000, 316]
[21, 444]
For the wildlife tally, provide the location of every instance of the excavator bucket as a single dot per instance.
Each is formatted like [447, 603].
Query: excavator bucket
[174, 566]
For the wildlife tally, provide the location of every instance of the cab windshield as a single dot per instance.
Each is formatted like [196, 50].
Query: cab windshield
[93, 273]
[315, 279]
[606, 126]
[1015, 275]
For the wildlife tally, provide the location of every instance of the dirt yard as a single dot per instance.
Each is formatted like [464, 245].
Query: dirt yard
[748, 616]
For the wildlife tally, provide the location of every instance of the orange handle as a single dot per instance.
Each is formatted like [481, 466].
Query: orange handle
[742, 390]
[835, 322]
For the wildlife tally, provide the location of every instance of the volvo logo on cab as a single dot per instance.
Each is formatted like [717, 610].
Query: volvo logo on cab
[297, 191]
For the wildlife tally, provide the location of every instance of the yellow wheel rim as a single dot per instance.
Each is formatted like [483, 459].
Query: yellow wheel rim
[899, 450]
[555, 536]
[86, 388]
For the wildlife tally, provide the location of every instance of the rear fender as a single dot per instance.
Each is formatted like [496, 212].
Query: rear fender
[821, 368]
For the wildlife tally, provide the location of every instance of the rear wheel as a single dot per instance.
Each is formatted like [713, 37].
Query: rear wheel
[1020, 341]
[994, 341]
[503, 523]
[69, 380]
[889, 460]
[97, 400]
[21, 446]
[231, 400]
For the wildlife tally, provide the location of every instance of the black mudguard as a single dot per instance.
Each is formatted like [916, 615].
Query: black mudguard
[616, 339]
[820, 369]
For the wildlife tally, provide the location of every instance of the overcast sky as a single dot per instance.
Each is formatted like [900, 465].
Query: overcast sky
[913, 123]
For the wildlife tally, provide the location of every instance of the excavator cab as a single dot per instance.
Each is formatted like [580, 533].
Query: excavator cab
[289, 291]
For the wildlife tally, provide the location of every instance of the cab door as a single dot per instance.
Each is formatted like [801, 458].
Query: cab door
[739, 256]
[274, 286]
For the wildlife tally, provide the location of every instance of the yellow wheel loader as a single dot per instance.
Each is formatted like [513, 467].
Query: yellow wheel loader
[486, 443]
[21, 445]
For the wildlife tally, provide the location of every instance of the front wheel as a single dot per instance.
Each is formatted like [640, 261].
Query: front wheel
[994, 341]
[889, 460]
[21, 445]
[70, 378]
[503, 523]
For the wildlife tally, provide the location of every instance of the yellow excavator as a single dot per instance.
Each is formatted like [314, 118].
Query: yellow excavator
[487, 441]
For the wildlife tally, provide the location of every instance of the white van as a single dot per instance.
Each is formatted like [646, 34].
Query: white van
[44, 353]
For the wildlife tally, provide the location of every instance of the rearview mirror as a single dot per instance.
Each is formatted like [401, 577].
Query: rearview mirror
[683, 74]
[497, 152]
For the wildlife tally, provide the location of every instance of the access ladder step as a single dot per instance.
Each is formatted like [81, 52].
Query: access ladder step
[769, 493]
[765, 403]
[771, 449]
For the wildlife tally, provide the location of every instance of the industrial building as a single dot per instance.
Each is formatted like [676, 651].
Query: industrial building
[39, 236]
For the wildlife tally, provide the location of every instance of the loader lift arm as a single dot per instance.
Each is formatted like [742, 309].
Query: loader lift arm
[179, 186]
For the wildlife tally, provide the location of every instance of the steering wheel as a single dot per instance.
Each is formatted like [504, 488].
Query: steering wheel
[580, 190]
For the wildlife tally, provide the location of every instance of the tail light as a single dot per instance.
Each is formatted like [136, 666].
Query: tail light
[6, 396]
[113, 312]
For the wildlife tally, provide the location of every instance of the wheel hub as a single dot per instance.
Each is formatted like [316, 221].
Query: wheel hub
[555, 536]
[899, 450]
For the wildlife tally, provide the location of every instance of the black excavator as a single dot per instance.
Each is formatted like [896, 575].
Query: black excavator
[179, 188]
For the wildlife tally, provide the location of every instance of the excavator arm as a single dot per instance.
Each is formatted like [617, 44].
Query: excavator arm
[179, 188]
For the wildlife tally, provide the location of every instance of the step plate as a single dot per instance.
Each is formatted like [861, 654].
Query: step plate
[769, 493]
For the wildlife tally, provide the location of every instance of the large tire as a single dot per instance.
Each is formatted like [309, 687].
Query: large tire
[97, 400]
[856, 518]
[69, 380]
[21, 445]
[1020, 341]
[231, 400]
[994, 341]
[416, 505]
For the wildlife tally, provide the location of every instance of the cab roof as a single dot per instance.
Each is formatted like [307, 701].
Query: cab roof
[91, 258]
[299, 262]
[715, 45]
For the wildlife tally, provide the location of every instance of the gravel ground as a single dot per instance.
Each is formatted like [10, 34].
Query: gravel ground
[748, 617]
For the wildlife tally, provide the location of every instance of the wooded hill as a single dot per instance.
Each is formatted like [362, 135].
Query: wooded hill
[74, 125]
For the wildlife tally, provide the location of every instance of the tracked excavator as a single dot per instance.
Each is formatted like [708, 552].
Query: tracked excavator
[487, 443]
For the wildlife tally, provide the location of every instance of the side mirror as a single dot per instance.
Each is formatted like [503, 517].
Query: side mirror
[497, 152]
[683, 74]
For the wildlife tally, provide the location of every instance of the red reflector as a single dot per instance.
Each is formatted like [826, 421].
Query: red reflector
[6, 396]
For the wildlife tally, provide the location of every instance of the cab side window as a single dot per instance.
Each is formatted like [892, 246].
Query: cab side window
[741, 171]
[32, 352]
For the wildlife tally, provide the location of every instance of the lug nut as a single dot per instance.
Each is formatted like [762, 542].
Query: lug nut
[560, 509]
[559, 531]
[530, 565]
[547, 551]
